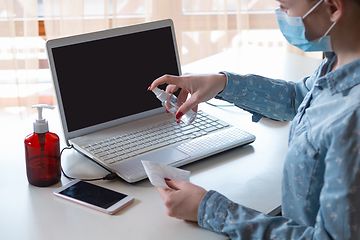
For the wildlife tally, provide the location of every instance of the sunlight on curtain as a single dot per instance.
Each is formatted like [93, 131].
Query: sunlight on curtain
[203, 28]
[19, 58]
[69, 17]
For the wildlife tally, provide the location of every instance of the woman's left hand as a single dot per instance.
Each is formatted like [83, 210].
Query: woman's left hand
[183, 202]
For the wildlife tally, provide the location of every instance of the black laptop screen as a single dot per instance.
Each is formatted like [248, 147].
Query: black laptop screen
[107, 79]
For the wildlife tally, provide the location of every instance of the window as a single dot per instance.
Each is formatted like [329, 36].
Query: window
[203, 28]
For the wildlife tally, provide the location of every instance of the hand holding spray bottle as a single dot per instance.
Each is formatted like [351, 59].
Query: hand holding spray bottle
[172, 104]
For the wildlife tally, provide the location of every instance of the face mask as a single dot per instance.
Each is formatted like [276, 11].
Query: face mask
[293, 30]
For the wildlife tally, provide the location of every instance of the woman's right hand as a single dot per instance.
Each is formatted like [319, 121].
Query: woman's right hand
[202, 87]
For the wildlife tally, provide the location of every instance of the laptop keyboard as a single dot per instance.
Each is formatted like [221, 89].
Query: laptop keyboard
[131, 144]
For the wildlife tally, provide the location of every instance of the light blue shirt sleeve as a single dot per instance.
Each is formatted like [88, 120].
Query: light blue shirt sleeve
[219, 214]
[321, 176]
[335, 213]
[264, 97]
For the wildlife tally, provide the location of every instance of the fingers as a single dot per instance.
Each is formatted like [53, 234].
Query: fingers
[174, 184]
[176, 82]
[164, 193]
[182, 203]
[171, 88]
[168, 196]
[191, 103]
[183, 95]
[169, 79]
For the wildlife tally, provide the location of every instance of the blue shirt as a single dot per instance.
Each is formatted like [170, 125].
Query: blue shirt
[321, 178]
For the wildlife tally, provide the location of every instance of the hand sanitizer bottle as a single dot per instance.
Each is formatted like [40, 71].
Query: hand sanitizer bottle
[172, 104]
[42, 152]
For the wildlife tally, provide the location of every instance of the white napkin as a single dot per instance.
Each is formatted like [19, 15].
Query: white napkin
[156, 173]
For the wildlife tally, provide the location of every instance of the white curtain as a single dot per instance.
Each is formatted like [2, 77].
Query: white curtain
[69, 17]
[198, 35]
[19, 57]
[203, 28]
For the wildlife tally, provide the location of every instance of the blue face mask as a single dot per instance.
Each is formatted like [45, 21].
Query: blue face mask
[293, 30]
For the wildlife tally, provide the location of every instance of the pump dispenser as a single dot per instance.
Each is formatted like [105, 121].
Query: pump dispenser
[172, 104]
[42, 152]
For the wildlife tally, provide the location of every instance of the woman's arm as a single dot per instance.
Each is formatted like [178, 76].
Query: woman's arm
[264, 97]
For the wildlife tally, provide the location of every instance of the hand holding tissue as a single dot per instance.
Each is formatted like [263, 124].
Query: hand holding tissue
[157, 173]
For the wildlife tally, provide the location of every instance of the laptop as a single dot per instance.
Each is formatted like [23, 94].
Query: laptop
[101, 80]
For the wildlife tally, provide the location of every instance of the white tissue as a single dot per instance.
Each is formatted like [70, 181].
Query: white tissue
[156, 173]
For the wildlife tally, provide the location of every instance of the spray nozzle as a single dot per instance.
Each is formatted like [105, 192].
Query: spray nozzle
[160, 94]
[41, 125]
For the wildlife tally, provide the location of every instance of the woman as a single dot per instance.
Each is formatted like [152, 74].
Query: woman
[321, 178]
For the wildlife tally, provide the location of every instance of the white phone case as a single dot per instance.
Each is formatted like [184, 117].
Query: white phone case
[114, 208]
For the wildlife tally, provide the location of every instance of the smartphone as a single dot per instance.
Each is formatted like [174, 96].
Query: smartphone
[93, 196]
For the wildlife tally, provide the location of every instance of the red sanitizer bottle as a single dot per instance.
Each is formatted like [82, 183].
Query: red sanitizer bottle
[42, 150]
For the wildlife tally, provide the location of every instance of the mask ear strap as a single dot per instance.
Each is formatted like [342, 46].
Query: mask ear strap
[312, 9]
[330, 28]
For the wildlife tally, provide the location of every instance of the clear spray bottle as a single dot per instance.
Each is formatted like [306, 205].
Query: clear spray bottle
[42, 152]
[172, 104]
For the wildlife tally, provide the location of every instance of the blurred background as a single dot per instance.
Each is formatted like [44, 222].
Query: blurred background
[203, 28]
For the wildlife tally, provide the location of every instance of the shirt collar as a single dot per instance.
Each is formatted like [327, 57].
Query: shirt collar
[341, 79]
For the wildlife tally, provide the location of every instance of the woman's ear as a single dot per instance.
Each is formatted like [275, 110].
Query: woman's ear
[335, 9]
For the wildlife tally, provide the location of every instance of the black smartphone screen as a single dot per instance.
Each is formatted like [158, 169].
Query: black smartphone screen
[93, 194]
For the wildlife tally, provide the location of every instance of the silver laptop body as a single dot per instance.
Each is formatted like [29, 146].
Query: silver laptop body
[100, 80]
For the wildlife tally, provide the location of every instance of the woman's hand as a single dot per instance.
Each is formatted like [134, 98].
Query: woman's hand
[183, 202]
[202, 87]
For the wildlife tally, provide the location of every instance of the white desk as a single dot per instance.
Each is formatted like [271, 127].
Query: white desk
[249, 175]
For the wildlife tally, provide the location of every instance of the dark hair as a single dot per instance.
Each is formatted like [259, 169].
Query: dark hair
[357, 1]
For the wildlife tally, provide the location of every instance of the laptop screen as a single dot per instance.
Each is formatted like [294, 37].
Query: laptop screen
[107, 79]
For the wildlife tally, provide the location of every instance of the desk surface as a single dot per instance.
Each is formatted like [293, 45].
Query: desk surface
[249, 175]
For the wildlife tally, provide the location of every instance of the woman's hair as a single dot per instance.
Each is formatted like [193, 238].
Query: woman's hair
[357, 1]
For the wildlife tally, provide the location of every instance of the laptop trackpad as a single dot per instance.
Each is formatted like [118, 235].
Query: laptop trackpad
[134, 170]
[165, 156]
